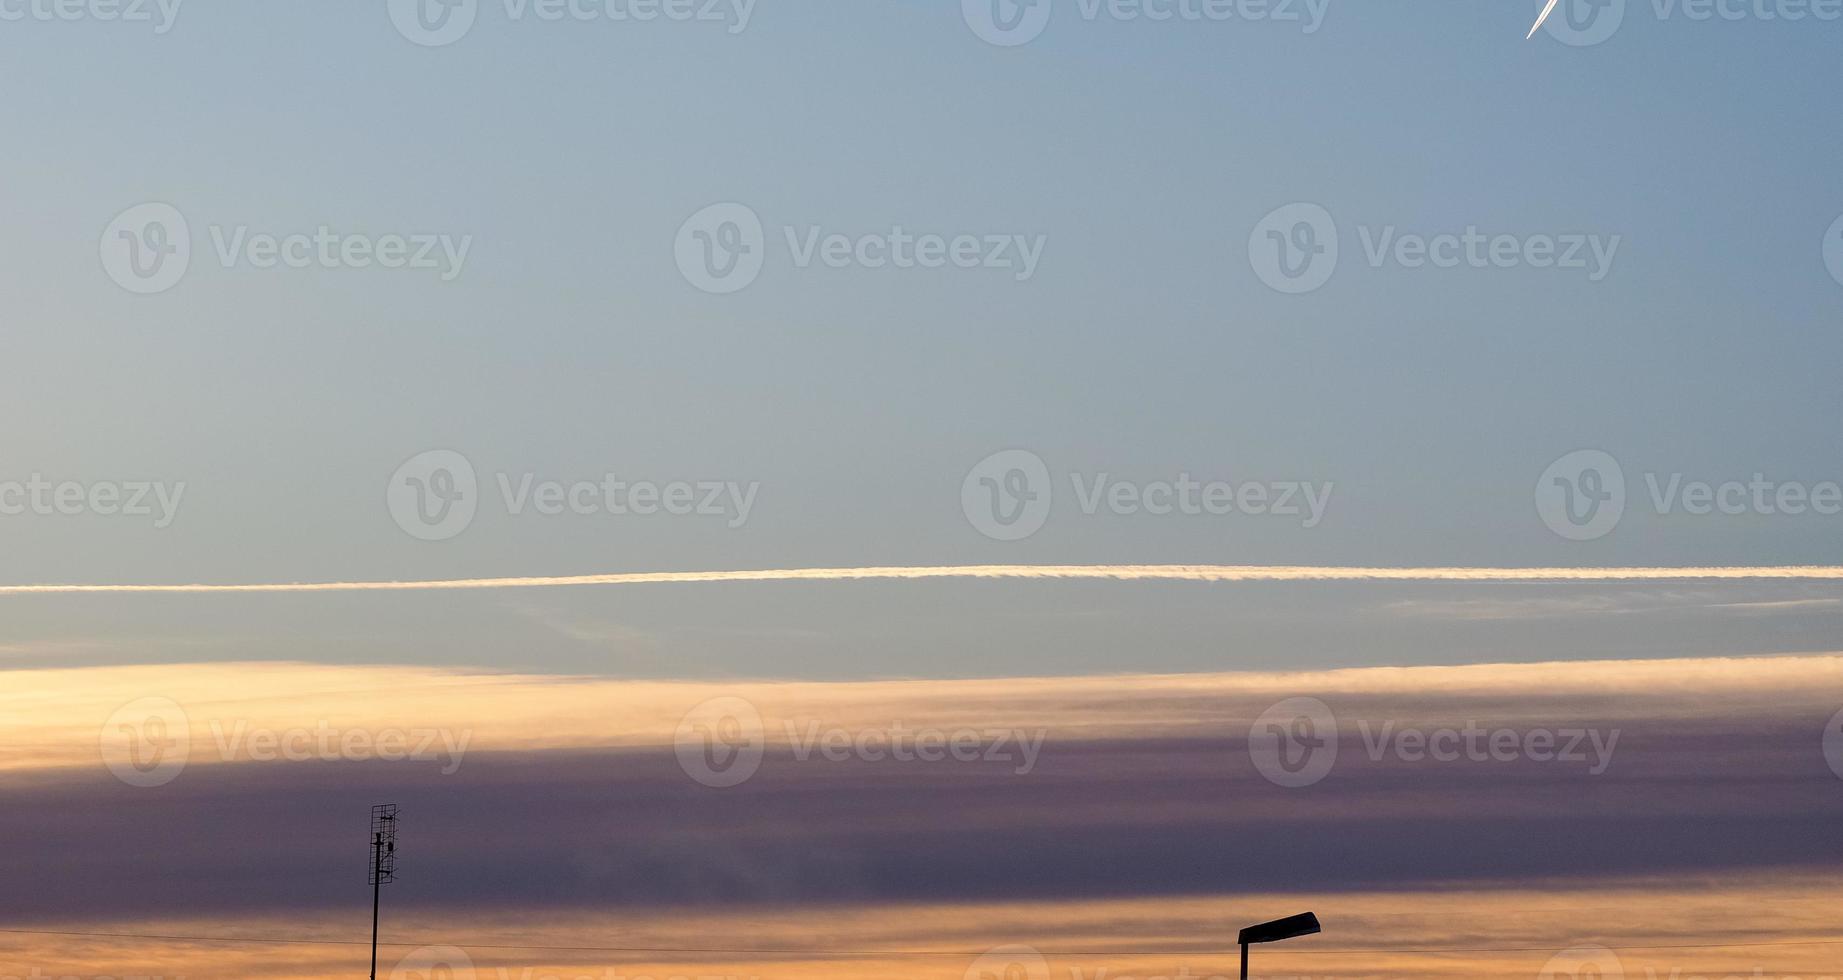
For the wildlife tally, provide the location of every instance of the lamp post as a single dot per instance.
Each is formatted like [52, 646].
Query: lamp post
[1291, 927]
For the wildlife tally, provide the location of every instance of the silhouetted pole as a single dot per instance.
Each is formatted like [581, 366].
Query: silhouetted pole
[383, 866]
[1244, 961]
[377, 888]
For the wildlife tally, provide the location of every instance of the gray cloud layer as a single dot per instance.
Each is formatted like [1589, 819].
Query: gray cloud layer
[1095, 819]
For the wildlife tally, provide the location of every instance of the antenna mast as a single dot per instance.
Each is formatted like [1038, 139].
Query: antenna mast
[383, 865]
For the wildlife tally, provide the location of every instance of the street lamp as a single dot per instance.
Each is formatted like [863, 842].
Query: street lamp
[1291, 927]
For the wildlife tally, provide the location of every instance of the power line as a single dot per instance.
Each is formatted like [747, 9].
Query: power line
[904, 953]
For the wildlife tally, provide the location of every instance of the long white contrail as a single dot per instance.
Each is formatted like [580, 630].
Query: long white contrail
[1168, 573]
[1546, 11]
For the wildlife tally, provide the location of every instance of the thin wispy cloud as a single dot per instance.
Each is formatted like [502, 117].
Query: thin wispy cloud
[1171, 573]
[1617, 604]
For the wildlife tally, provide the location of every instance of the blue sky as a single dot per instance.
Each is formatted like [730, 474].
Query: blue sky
[1141, 155]
[308, 293]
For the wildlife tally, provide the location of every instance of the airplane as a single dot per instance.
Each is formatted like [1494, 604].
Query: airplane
[1546, 11]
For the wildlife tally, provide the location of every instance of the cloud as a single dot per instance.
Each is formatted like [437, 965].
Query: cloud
[1499, 608]
[1175, 573]
[1104, 939]
[572, 797]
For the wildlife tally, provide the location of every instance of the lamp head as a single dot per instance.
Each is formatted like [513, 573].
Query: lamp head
[1291, 927]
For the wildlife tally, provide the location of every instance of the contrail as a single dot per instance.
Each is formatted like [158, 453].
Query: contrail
[1546, 11]
[1145, 573]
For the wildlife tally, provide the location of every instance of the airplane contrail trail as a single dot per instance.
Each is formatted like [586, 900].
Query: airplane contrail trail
[1167, 573]
[1546, 11]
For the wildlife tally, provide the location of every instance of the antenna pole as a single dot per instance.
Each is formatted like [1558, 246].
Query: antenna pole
[377, 887]
[383, 866]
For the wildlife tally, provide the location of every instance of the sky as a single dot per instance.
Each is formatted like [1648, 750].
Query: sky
[416, 292]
